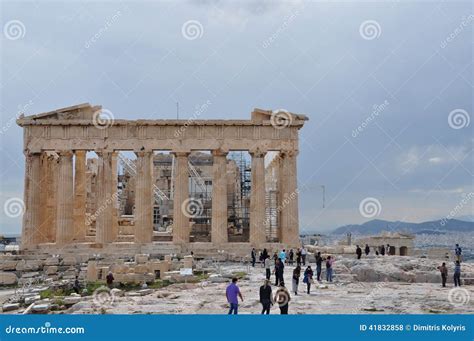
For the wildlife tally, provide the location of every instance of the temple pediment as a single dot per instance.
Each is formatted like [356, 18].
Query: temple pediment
[82, 111]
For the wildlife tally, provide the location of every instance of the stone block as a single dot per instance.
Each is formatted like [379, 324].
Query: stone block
[51, 270]
[8, 265]
[10, 307]
[69, 260]
[32, 299]
[141, 258]
[41, 308]
[52, 261]
[8, 278]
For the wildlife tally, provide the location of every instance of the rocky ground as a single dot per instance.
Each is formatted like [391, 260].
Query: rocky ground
[390, 285]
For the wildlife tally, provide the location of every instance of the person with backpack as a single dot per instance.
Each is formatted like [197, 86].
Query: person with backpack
[298, 257]
[329, 263]
[296, 279]
[308, 278]
[282, 297]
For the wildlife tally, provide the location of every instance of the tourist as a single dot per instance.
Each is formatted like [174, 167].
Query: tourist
[444, 274]
[282, 297]
[77, 286]
[232, 293]
[303, 255]
[275, 257]
[283, 256]
[265, 255]
[308, 278]
[319, 262]
[279, 269]
[388, 250]
[296, 279]
[458, 252]
[367, 249]
[267, 265]
[457, 274]
[382, 250]
[266, 298]
[329, 262]
[291, 256]
[110, 279]
[253, 254]
[358, 252]
[298, 257]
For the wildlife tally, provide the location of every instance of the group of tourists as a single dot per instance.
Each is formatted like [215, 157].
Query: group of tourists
[279, 260]
[443, 269]
[380, 250]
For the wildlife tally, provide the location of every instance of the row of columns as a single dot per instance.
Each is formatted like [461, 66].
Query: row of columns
[56, 206]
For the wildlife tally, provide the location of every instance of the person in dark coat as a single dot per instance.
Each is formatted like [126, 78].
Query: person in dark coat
[266, 298]
[279, 269]
[291, 256]
[382, 250]
[253, 254]
[367, 249]
[358, 252]
[264, 256]
[298, 257]
[319, 264]
[308, 278]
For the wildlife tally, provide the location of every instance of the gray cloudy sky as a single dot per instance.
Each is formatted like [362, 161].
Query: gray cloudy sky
[378, 81]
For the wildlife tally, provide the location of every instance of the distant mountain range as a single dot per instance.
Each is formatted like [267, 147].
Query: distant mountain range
[430, 227]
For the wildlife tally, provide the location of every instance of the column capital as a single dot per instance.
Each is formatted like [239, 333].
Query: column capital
[181, 153]
[220, 152]
[143, 153]
[258, 152]
[29, 153]
[65, 153]
[289, 152]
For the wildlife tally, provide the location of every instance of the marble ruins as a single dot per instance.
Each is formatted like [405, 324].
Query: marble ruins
[74, 200]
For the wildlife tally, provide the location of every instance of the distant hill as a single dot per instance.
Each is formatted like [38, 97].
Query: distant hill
[434, 227]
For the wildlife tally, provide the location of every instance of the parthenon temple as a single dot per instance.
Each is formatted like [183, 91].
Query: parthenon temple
[100, 182]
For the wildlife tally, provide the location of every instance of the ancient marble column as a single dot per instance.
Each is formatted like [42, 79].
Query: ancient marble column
[80, 195]
[106, 197]
[257, 199]
[32, 199]
[219, 197]
[181, 230]
[65, 197]
[144, 199]
[288, 205]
